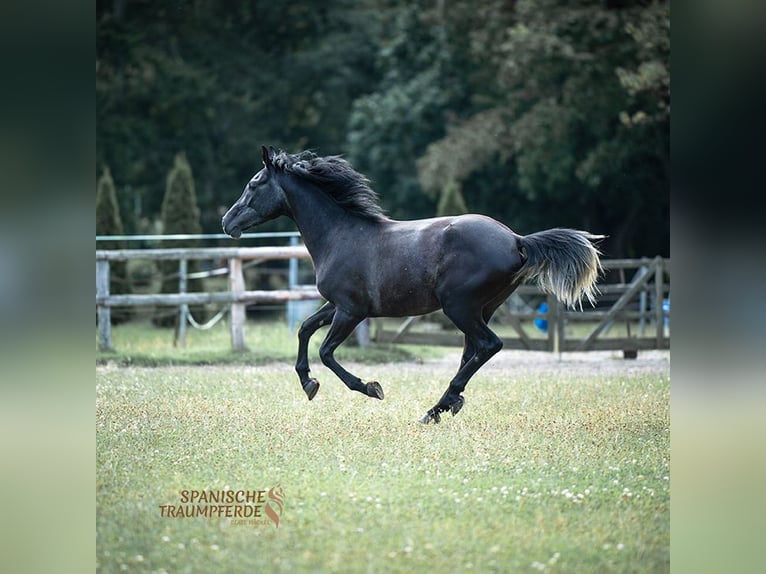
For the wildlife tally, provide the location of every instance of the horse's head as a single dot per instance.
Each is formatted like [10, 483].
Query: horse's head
[263, 199]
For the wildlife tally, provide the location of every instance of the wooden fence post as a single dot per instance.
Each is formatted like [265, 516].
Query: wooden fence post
[362, 333]
[104, 312]
[183, 309]
[560, 331]
[553, 321]
[292, 283]
[659, 279]
[642, 308]
[237, 285]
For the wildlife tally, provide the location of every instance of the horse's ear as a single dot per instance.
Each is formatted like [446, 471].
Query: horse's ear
[267, 155]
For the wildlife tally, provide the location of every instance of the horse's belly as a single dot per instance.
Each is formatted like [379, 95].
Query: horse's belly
[403, 300]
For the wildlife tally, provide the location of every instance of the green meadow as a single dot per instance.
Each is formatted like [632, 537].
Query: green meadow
[554, 464]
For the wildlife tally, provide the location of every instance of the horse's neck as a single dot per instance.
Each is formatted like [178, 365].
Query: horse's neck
[321, 221]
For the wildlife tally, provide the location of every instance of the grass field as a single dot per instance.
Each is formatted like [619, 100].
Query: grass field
[551, 466]
[138, 343]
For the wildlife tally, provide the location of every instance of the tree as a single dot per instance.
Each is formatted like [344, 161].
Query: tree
[544, 112]
[392, 126]
[109, 222]
[578, 119]
[180, 214]
[220, 80]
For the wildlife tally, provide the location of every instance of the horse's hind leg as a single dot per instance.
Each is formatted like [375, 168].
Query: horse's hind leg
[468, 351]
[482, 342]
[487, 312]
[474, 326]
[322, 317]
[343, 325]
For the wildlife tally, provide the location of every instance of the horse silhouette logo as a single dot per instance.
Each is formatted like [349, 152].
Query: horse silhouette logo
[275, 504]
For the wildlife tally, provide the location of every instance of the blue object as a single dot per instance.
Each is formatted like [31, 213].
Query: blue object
[542, 324]
[666, 312]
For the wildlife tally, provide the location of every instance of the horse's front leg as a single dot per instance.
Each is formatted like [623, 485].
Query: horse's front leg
[343, 324]
[322, 317]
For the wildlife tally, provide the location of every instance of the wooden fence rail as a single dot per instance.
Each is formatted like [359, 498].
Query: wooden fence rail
[650, 282]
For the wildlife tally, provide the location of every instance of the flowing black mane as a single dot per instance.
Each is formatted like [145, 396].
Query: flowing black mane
[334, 176]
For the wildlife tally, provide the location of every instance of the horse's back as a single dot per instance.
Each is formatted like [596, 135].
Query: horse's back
[437, 242]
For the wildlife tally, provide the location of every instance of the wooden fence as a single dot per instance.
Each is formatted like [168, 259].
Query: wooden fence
[637, 303]
[237, 295]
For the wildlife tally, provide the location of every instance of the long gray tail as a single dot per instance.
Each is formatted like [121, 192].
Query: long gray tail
[565, 263]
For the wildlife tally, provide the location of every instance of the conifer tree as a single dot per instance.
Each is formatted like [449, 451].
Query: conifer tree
[180, 214]
[109, 222]
[451, 201]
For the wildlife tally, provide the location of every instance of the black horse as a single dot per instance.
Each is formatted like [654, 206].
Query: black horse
[368, 265]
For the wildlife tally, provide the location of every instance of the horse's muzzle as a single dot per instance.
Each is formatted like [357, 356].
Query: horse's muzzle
[235, 231]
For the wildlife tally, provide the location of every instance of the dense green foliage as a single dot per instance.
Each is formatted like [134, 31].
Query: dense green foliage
[109, 222]
[543, 113]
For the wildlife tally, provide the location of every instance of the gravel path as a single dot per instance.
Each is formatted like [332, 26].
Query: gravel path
[601, 362]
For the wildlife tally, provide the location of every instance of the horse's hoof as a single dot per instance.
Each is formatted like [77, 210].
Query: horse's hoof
[375, 390]
[311, 387]
[456, 406]
[432, 415]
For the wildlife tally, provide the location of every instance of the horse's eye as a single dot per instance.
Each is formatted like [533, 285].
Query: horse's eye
[253, 185]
